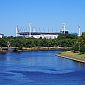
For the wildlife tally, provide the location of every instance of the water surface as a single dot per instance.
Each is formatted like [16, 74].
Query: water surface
[40, 68]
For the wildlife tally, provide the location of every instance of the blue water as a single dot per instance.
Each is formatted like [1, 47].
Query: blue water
[40, 68]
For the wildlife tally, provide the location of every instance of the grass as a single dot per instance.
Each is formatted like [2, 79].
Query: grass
[73, 56]
[70, 53]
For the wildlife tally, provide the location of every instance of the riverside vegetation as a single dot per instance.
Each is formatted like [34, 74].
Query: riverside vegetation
[63, 40]
[76, 43]
[77, 52]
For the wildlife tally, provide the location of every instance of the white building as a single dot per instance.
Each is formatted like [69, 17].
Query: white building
[47, 35]
[1, 35]
[39, 35]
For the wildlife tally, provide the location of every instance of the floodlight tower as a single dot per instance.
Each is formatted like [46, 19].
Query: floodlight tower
[17, 30]
[79, 34]
[30, 29]
[64, 27]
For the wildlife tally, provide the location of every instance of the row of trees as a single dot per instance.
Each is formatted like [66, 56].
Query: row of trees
[79, 45]
[63, 40]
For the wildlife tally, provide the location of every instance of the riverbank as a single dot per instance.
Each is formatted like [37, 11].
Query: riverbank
[44, 48]
[73, 56]
[12, 49]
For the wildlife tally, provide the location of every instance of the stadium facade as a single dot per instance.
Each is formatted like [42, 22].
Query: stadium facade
[31, 34]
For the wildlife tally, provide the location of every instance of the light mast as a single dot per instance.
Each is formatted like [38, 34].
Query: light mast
[17, 30]
[79, 34]
[30, 29]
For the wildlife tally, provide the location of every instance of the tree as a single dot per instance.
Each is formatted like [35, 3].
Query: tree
[75, 47]
[3, 43]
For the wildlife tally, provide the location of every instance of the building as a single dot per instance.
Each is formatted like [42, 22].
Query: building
[64, 32]
[38, 35]
[1, 35]
[47, 35]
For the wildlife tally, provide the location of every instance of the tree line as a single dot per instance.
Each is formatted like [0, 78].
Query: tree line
[79, 45]
[63, 40]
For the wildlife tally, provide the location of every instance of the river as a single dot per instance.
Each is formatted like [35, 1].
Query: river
[40, 68]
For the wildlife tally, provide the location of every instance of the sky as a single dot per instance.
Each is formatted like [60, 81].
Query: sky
[44, 15]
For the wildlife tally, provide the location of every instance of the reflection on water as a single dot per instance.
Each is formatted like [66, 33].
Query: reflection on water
[40, 68]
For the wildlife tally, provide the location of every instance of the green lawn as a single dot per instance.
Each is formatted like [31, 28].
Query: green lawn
[70, 53]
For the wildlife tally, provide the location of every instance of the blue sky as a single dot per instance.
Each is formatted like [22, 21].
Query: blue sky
[42, 14]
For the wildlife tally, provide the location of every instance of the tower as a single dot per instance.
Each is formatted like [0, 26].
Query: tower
[64, 28]
[79, 33]
[30, 29]
[17, 30]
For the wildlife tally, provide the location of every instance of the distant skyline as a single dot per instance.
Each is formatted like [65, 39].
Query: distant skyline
[42, 14]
